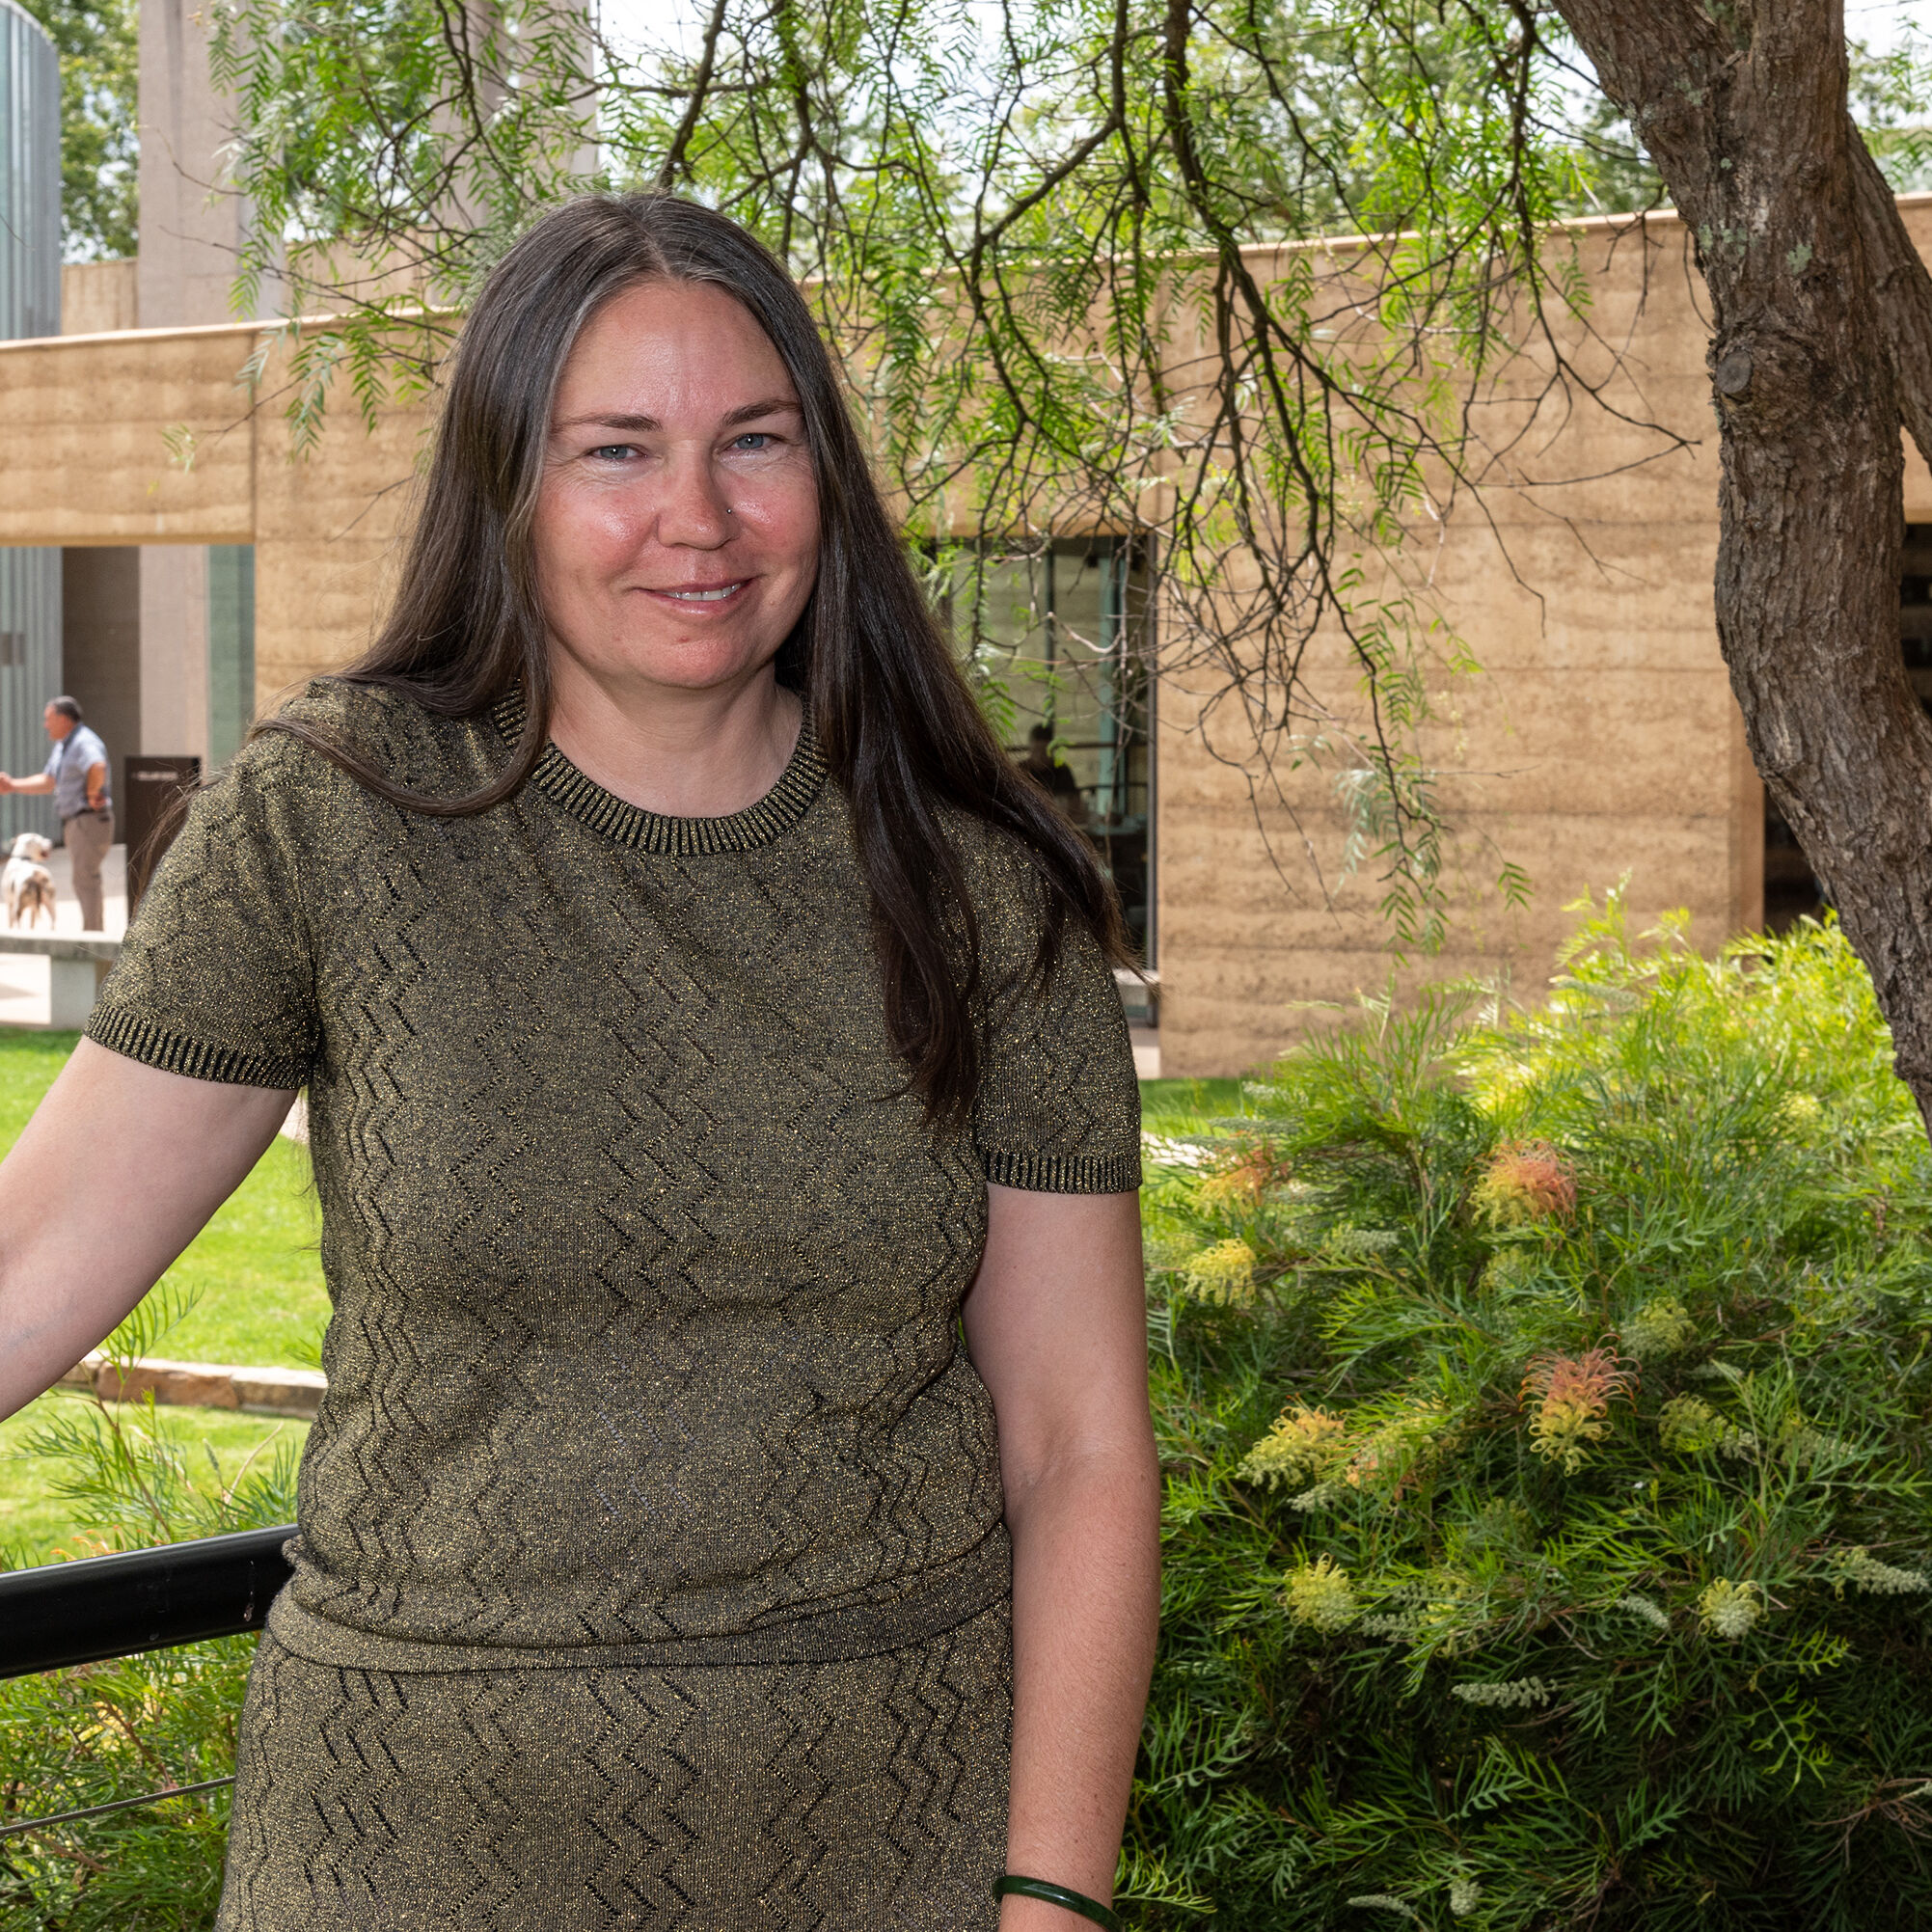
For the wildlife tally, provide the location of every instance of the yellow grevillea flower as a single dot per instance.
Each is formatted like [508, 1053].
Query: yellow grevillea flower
[1223, 1273]
[1729, 1610]
[1862, 1568]
[1659, 1328]
[1303, 1444]
[1321, 1596]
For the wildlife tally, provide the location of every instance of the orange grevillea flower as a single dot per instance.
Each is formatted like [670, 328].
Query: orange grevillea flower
[1245, 1179]
[1569, 1398]
[1398, 1450]
[1525, 1181]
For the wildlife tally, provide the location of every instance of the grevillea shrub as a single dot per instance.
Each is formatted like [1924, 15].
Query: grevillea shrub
[1544, 1402]
[78, 1738]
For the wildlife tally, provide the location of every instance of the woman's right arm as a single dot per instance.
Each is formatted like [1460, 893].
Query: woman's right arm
[118, 1171]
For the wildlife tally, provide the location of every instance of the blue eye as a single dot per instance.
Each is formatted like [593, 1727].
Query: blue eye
[613, 449]
[752, 439]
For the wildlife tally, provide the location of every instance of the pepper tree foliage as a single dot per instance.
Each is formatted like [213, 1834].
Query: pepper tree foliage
[1084, 257]
[1548, 1536]
[1075, 252]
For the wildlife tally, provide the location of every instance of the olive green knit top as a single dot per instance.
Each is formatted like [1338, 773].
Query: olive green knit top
[645, 1272]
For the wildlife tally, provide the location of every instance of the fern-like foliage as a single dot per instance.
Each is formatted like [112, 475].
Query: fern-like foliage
[132, 1476]
[1548, 1530]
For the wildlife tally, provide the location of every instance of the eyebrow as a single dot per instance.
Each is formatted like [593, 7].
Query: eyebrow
[777, 405]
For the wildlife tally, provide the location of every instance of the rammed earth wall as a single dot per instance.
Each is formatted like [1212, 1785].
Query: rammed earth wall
[1599, 737]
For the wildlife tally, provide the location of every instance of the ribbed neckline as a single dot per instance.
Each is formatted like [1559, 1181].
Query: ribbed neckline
[583, 798]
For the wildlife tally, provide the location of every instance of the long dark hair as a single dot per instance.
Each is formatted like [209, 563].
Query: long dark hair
[894, 718]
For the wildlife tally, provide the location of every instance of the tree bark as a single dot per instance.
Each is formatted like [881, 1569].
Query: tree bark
[1821, 351]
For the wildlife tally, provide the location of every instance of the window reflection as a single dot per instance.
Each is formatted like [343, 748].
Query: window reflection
[1058, 635]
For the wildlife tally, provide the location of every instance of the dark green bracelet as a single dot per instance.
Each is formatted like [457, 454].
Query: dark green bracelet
[1057, 1894]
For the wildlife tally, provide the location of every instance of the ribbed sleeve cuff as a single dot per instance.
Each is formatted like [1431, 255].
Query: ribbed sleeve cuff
[137, 1039]
[1064, 1173]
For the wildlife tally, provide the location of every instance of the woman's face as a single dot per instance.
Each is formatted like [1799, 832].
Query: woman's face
[676, 529]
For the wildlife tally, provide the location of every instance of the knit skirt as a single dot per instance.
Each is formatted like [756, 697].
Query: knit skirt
[736, 1798]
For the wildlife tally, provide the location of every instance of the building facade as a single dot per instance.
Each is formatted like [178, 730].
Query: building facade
[208, 569]
[30, 305]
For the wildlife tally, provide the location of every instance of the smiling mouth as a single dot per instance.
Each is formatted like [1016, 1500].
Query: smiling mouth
[715, 594]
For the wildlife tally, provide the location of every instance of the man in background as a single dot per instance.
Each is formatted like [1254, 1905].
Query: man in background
[76, 775]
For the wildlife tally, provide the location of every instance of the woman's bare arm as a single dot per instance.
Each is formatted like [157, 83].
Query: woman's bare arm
[116, 1174]
[1057, 1322]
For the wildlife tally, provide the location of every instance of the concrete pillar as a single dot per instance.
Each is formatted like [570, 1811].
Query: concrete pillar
[192, 229]
[191, 225]
[175, 651]
[99, 297]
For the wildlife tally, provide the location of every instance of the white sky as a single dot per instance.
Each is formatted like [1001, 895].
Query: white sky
[1879, 22]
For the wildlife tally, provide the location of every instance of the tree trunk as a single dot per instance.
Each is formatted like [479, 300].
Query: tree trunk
[1821, 351]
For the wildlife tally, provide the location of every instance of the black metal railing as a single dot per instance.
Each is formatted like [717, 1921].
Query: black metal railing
[83, 1613]
[80, 1613]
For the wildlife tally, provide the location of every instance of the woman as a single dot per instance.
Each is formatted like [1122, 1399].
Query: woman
[734, 1502]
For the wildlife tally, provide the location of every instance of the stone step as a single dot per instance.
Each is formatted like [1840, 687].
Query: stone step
[205, 1385]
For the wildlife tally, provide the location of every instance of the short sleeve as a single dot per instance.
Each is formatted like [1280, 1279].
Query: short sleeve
[1059, 1106]
[215, 978]
[52, 767]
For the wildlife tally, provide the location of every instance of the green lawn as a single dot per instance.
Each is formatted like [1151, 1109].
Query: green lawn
[260, 1300]
[35, 1521]
[253, 1270]
[1172, 1106]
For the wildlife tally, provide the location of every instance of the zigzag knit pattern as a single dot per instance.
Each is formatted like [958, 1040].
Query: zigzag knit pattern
[646, 1269]
[869, 1792]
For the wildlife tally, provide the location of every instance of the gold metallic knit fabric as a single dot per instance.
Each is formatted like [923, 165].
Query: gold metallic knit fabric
[646, 1269]
[867, 1792]
[651, 1570]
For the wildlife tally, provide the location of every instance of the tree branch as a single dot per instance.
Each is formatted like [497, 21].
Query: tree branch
[1901, 291]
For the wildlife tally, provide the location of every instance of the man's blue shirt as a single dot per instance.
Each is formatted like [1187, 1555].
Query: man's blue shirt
[67, 766]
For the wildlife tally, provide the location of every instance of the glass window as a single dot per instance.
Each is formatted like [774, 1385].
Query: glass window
[1058, 635]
